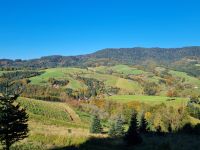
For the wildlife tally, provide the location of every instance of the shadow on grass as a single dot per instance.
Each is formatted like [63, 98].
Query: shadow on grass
[66, 148]
[98, 144]
[188, 136]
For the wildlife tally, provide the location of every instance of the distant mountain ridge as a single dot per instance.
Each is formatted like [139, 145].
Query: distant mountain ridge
[121, 55]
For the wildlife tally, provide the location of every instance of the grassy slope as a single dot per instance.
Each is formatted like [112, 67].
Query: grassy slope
[149, 99]
[121, 69]
[188, 79]
[60, 73]
[127, 70]
[51, 125]
[68, 73]
[195, 82]
[47, 136]
[52, 112]
[128, 85]
[113, 81]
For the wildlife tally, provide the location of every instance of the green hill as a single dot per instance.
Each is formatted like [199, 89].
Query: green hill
[52, 124]
[63, 119]
[129, 80]
[152, 100]
[137, 55]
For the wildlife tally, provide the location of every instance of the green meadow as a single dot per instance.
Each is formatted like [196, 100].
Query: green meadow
[60, 73]
[152, 100]
[188, 79]
[121, 69]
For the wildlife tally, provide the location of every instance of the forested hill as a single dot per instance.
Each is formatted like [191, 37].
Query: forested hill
[137, 54]
[108, 56]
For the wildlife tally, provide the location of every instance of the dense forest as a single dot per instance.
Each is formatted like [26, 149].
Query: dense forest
[122, 55]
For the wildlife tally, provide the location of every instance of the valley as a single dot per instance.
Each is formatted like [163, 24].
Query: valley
[61, 101]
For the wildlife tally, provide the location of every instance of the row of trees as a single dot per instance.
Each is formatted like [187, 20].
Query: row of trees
[117, 130]
[56, 82]
[16, 75]
[157, 116]
[193, 107]
[138, 128]
[42, 92]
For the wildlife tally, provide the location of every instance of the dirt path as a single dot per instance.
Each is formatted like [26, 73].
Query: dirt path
[72, 114]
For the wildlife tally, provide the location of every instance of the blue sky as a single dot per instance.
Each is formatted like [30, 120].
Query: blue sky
[35, 28]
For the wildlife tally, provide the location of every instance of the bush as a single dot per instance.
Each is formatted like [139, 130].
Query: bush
[150, 88]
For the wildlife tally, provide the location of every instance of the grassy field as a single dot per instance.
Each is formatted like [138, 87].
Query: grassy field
[188, 79]
[50, 125]
[152, 100]
[113, 81]
[43, 108]
[121, 69]
[60, 73]
[52, 113]
[68, 73]
[128, 86]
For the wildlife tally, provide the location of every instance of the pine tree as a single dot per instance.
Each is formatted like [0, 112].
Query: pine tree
[119, 126]
[96, 125]
[116, 128]
[112, 131]
[170, 128]
[159, 130]
[13, 120]
[132, 136]
[143, 125]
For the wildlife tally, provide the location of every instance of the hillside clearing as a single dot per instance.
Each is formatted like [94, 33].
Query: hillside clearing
[152, 100]
[55, 113]
[188, 79]
[121, 69]
[60, 73]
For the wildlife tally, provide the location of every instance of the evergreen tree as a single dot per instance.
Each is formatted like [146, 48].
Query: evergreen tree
[143, 125]
[119, 126]
[159, 130]
[13, 120]
[132, 136]
[96, 125]
[170, 128]
[112, 131]
[116, 128]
